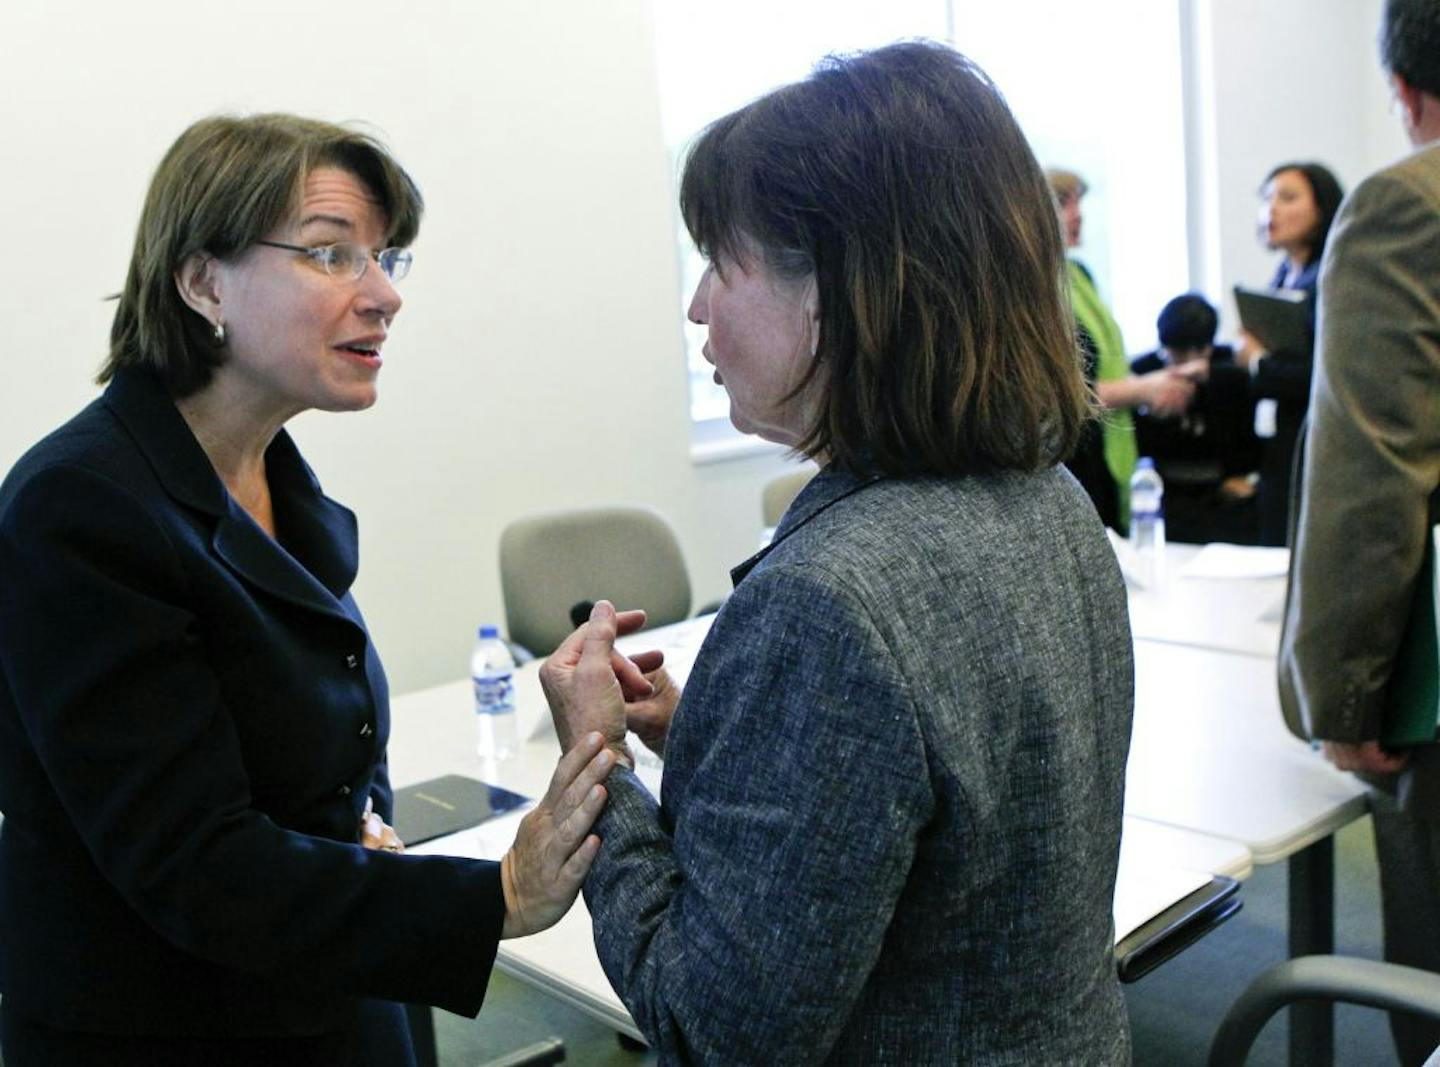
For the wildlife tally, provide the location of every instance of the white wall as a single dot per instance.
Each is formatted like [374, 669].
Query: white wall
[1289, 80]
[536, 363]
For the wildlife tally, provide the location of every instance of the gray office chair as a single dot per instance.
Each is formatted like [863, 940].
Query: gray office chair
[1387, 986]
[779, 492]
[556, 562]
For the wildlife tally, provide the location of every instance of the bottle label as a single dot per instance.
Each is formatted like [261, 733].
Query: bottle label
[494, 694]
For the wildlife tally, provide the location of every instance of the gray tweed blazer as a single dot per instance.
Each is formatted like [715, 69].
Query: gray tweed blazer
[892, 793]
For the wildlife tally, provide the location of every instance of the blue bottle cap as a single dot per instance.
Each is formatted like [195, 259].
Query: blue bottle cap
[489, 631]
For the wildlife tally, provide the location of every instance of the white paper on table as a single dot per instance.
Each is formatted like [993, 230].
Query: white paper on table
[1125, 555]
[1220, 560]
[1140, 896]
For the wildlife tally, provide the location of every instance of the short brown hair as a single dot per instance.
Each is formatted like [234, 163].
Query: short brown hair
[225, 183]
[899, 179]
[1065, 184]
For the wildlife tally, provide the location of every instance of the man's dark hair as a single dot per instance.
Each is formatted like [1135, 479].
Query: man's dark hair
[1410, 42]
[1187, 322]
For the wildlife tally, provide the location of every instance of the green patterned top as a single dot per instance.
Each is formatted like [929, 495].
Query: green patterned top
[1117, 428]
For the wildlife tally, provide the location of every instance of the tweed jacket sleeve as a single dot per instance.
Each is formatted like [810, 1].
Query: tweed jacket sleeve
[797, 759]
[1373, 454]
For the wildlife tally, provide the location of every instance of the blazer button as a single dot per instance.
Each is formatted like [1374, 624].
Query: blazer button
[366, 730]
[343, 791]
[352, 661]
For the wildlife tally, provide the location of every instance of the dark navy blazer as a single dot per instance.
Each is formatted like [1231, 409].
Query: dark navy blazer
[192, 717]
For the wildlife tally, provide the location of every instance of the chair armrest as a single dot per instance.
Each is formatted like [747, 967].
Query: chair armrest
[1388, 986]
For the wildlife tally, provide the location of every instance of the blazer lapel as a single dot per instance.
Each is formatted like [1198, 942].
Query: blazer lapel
[251, 553]
[148, 413]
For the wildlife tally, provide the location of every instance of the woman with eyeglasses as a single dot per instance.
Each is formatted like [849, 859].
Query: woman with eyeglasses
[195, 861]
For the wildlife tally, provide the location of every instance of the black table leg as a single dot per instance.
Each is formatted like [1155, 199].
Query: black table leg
[422, 1034]
[1312, 932]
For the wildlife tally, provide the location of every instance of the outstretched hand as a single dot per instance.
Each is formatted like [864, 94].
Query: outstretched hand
[553, 850]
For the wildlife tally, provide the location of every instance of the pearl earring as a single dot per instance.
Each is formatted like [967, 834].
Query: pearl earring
[219, 334]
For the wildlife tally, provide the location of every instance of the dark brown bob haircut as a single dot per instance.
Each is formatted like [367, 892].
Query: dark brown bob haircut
[226, 183]
[900, 180]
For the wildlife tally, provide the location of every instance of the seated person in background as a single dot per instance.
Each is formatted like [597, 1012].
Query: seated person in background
[1208, 453]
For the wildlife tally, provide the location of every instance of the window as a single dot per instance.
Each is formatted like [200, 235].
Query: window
[1096, 87]
[1099, 92]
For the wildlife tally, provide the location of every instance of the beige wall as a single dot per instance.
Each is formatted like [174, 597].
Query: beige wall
[1288, 80]
[537, 363]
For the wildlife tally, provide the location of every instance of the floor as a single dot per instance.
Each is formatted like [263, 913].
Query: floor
[1173, 1010]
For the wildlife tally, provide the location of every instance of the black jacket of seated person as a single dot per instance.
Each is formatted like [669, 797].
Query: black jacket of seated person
[1214, 440]
[1087, 462]
[192, 717]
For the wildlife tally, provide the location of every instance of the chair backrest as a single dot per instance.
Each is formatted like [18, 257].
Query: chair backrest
[779, 492]
[550, 562]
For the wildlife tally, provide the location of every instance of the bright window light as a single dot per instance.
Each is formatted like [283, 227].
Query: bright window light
[1096, 87]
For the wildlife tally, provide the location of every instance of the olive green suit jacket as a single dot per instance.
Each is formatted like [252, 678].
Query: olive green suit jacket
[1371, 476]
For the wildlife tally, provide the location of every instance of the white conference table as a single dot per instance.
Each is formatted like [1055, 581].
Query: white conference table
[1224, 613]
[1214, 780]
[1210, 750]
[433, 734]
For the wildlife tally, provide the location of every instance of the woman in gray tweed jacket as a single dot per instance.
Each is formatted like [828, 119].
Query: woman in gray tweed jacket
[893, 784]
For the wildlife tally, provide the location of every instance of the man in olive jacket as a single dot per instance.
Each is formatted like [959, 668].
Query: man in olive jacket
[1370, 498]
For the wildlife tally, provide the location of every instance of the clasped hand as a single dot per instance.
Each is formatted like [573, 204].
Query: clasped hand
[553, 850]
[589, 687]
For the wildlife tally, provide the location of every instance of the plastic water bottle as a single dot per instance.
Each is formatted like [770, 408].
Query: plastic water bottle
[492, 670]
[1147, 522]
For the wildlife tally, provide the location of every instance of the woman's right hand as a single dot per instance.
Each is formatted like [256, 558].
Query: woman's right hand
[553, 850]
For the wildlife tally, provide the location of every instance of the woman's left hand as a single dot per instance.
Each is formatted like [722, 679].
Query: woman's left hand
[375, 833]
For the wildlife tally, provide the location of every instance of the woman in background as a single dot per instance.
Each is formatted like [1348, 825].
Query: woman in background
[893, 784]
[1105, 458]
[1299, 204]
[195, 866]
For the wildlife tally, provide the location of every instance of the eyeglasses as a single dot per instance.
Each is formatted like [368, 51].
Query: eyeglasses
[344, 259]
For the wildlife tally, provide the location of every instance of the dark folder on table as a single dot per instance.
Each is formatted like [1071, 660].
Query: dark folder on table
[1183, 923]
[447, 805]
[1278, 318]
[1412, 698]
